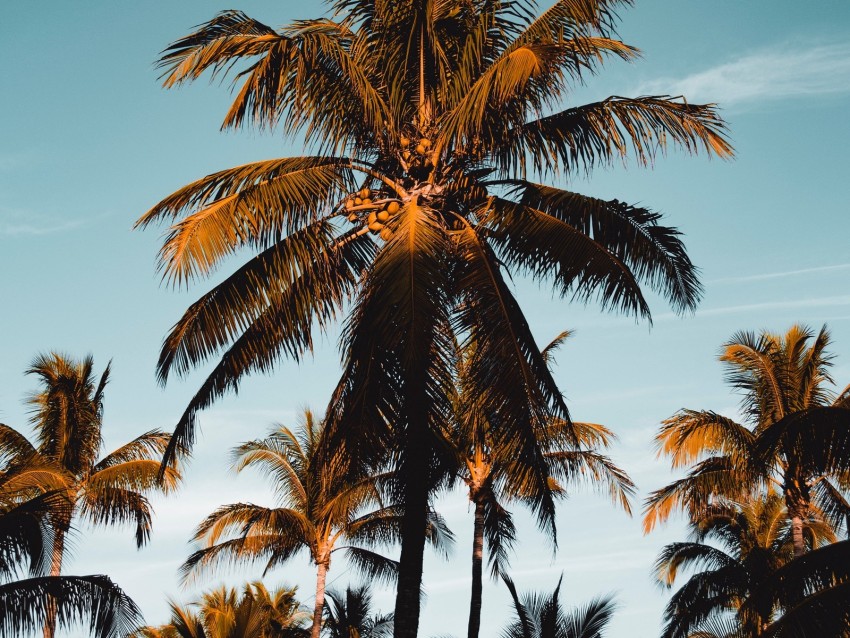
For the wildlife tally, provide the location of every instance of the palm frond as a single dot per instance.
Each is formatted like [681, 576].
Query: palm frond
[553, 251]
[316, 295]
[600, 132]
[689, 435]
[94, 601]
[653, 253]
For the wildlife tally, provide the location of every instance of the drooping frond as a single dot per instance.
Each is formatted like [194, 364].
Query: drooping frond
[553, 251]
[713, 477]
[598, 133]
[285, 326]
[92, 601]
[373, 567]
[689, 435]
[521, 402]
[103, 504]
[653, 253]
[253, 205]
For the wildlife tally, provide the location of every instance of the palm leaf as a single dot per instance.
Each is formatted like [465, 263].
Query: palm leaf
[92, 600]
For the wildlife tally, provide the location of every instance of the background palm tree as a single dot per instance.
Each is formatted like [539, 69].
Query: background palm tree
[350, 615]
[540, 615]
[26, 549]
[255, 612]
[494, 477]
[320, 511]
[67, 415]
[735, 549]
[796, 435]
[426, 119]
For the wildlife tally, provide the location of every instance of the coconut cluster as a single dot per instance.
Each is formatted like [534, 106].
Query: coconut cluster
[373, 213]
[421, 153]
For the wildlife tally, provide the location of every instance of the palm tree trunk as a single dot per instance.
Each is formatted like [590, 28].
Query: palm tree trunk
[320, 599]
[413, 526]
[55, 570]
[797, 535]
[477, 559]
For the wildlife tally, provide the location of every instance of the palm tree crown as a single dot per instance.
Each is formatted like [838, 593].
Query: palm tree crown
[67, 414]
[255, 612]
[319, 510]
[796, 435]
[735, 549]
[425, 120]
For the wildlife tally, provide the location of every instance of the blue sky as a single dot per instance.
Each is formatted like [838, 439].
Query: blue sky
[89, 141]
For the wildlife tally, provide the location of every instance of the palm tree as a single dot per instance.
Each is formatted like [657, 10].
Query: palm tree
[255, 612]
[812, 593]
[67, 414]
[26, 545]
[735, 548]
[494, 476]
[320, 510]
[541, 616]
[427, 121]
[796, 435]
[349, 615]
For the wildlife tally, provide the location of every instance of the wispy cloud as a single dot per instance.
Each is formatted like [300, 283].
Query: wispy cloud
[817, 302]
[17, 222]
[781, 72]
[780, 275]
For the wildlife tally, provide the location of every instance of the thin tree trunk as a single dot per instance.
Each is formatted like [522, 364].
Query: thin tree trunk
[797, 535]
[55, 570]
[320, 599]
[413, 526]
[477, 559]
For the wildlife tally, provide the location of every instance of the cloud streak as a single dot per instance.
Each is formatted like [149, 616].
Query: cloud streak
[817, 302]
[14, 223]
[780, 275]
[783, 72]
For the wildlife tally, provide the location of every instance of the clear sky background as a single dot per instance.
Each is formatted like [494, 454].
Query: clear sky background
[89, 141]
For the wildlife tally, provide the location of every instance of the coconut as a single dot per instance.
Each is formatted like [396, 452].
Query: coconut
[383, 216]
[357, 201]
[349, 204]
[365, 192]
[393, 208]
[420, 149]
[375, 227]
[425, 142]
[371, 218]
[353, 218]
[367, 201]
[386, 234]
[405, 142]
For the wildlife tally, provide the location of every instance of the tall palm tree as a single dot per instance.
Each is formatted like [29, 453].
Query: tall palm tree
[734, 549]
[796, 434]
[320, 511]
[427, 122]
[350, 615]
[26, 545]
[255, 612]
[541, 616]
[67, 415]
[494, 476]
